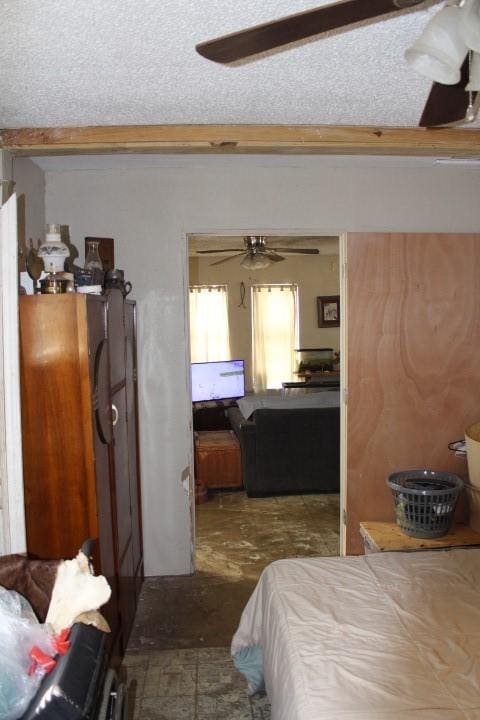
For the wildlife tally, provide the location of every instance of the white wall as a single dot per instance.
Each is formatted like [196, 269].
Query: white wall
[30, 188]
[149, 204]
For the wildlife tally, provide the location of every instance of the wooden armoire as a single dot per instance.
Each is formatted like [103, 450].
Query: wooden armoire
[80, 440]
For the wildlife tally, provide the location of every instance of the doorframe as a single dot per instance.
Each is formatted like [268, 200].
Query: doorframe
[342, 252]
[13, 534]
[341, 235]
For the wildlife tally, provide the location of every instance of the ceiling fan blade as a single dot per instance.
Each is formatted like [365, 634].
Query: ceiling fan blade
[224, 260]
[267, 36]
[446, 103]
[203, 252]
[272, 256]
[299, 251]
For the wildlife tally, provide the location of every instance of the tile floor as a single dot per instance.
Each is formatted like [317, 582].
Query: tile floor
[178, 663]
[195, 684]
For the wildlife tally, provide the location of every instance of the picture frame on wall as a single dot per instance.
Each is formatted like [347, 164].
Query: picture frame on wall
[328, 308]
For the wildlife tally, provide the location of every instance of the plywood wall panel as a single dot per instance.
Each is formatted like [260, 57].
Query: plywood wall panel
[413, 378]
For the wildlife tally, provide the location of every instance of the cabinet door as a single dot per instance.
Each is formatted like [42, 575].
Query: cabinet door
[122, 485]
[132, 426]
[123, 513]
[58, 438]
[102, 436]
[104, 550]
[116, 337]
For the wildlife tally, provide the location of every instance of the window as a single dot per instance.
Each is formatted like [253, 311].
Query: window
[209, 333]
[274, 323]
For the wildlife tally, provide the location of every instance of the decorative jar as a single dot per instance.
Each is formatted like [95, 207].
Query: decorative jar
[53, 251]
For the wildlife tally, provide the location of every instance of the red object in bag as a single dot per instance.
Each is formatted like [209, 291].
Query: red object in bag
[41, 659]
[61, 642]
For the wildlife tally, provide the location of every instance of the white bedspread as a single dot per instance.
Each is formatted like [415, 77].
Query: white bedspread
[388, 636]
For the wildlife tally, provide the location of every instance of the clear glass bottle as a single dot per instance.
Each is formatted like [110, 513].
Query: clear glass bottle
[93, 260]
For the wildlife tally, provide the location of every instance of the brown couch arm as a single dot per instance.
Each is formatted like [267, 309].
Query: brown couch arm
[34, 579]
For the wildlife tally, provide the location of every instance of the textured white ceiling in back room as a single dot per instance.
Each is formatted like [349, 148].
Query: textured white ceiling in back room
[106, 62]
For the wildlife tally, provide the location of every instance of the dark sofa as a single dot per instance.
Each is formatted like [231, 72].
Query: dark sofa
[289, 450]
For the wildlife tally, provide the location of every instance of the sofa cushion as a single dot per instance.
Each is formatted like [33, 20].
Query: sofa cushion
[318, 399]
[297, 451]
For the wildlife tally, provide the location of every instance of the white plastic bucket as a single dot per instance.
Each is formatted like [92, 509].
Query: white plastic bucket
[472, 443]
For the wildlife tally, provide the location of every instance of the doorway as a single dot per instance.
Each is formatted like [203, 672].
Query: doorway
[237, 535]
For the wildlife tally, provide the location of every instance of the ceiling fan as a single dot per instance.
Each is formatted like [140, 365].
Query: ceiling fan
[451, 99]
[256, 254]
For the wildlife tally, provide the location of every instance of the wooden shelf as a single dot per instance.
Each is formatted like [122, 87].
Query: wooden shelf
[387, 536]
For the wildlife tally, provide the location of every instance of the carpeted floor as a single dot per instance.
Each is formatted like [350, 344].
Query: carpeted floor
[178, 663]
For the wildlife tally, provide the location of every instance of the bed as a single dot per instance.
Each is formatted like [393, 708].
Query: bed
[387, 636]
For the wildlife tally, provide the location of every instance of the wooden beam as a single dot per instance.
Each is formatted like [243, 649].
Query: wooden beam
[243, 139]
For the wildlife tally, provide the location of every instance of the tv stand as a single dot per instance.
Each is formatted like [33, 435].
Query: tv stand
[212, 415]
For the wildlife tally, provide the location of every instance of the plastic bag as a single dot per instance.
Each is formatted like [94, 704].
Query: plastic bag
[19, 632]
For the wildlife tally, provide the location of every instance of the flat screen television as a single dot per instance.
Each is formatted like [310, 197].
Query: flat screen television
[218, 380]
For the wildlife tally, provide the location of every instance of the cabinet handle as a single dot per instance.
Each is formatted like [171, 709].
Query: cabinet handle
[115, 415]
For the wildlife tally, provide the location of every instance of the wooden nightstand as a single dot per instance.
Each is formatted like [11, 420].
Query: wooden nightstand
[387, 536]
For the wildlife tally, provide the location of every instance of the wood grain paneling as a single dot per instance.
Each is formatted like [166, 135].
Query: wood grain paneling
[387, 537]
[413, 376]
[217, 459]
[231, 139]
[56, 403]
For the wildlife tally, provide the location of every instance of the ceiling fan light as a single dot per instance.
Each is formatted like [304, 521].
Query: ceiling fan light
[255, 261]
[469, 24]
[440, 50]
[474, 79]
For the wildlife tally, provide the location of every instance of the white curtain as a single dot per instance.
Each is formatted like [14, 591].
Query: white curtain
[209, 332]
[274, 322]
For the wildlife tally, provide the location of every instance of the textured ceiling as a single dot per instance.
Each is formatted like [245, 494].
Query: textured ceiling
[105, 62]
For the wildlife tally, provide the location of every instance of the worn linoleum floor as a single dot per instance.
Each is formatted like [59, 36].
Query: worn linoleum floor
[178, 662]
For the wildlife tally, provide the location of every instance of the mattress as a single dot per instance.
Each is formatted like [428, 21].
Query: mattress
[387, 636]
